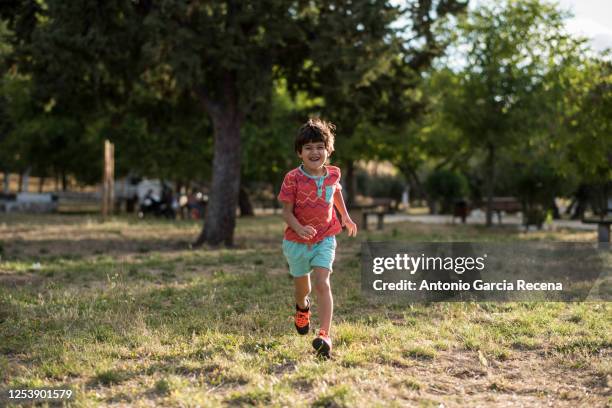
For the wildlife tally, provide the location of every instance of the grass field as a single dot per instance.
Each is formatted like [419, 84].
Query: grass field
[125, 314]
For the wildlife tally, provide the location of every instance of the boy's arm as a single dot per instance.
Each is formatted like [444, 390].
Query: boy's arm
[351, 227]
[307, 232]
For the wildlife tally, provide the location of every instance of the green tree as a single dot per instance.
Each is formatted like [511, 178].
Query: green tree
[429, 142]
[511, 47]
[39, 140]
[447, 186]
[87, 63]
[587, 107]
[82, 61]
[164, 135]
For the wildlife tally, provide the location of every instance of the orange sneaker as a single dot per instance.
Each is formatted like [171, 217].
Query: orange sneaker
[302, 318]
[322, 344]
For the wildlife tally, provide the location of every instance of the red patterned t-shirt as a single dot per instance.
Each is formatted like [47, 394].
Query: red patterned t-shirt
[313, 202]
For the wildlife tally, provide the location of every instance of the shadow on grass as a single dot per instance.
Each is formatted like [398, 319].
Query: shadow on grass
[81, 248]
[145, 267]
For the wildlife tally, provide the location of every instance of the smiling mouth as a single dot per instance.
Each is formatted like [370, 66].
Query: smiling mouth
[314, 159]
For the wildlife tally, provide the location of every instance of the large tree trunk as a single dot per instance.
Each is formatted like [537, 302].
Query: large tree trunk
[411, 175]
[221, 213]
[64, 181]
[490, 182]
[244, 202]
[581, 199]
[24, 180]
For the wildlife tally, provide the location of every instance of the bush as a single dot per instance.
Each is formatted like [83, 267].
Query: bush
[538, 184]
[446, 186]
[380, 186]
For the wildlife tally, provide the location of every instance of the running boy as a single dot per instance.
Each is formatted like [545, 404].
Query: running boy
[309, 194]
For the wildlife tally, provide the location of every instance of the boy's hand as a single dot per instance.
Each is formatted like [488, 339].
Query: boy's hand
[307, 232]
[351, 227]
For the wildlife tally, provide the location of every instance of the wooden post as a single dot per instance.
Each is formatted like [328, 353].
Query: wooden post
[108, 180]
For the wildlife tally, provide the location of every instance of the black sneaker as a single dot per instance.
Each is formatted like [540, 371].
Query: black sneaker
[322, 344]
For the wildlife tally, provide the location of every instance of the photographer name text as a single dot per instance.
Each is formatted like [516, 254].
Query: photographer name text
[477, 285]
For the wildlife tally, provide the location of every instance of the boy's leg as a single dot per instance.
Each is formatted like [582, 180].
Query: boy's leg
[302, 290]
[325, 301]
[302, 307]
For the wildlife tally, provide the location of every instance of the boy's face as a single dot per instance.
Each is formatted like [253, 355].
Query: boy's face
[314, 155]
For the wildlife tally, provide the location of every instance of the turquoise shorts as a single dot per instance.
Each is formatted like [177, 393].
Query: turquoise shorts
[301, 259]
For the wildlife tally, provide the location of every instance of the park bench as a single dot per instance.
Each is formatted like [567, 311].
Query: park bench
[28, 202]
[373, 206]
[532, 216]
[505, 204]
[78, 201]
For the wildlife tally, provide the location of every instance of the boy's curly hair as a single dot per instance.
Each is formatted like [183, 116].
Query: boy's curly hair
[313, 131]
